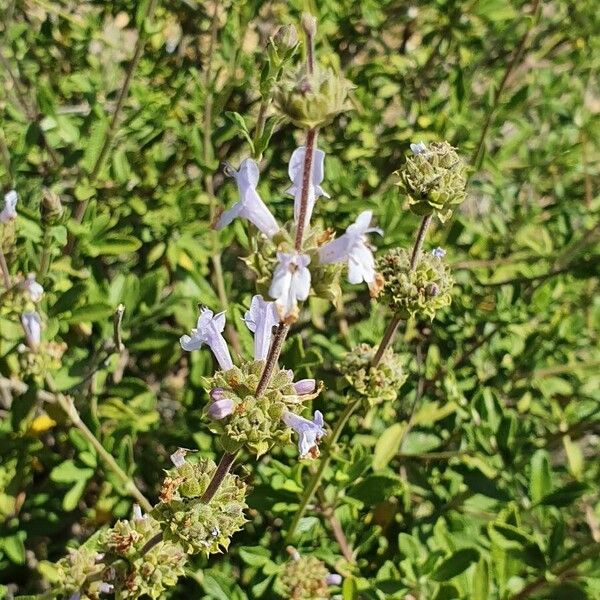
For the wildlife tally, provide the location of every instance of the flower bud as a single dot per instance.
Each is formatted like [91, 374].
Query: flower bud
[52, 208]
[220, 409]
[305, 386]
[309, 24]
[285, 39]
[334, 579]
[434, 179]
[217, 393]
[313, 99]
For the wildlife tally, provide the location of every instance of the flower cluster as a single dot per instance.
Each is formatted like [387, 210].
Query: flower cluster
[418, 292]
[188, 520]
[240, 416]
[317, 264]
[306, 578]
[375, 383]
[434, 179]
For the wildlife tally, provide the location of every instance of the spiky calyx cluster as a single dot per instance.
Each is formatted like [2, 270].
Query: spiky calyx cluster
[312, 100]
[196, 525]
[81, 569]
[305, 579]
[147, 567]
[255, 422]
[434, 179]
[46, 359]
[417, 293]
[324, 278]
[375, 384]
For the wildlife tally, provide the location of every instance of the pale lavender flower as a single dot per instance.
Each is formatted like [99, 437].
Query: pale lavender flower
[178, 457]
[438, 252]
[75, 596]
[208, 331]
[217, 393]
[106, 588]
[9, 212]
[260, 319]
[291, 282]
[33, 288]
[32, 325]
[305, 386]
[137, 512]
[296, 173]
[250, 205]
[309, 432]
[219, 409]
[333, 579]
[351, 247]
[419, 148]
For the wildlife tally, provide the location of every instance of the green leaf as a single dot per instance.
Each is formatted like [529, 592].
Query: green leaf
[14, 548]
[540, 482]
[565, 496]
[71, 498]
[349, 589]
[95, 140]
[114, 244]
[480, 587]
[68, 471]
[90, 312]
[387, 446]
[456, 564]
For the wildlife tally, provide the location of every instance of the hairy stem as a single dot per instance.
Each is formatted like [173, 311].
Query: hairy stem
[392, 328]
[4, 269]
[272, 358]
[315, 480]
[223, 468]
[309, 152]
[68, 407]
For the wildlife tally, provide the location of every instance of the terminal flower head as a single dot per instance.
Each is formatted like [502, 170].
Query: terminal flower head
[9, 212]
[291, 282]
[309, 432]
[296, 173]
[209, 331]
[260, 319]
[352, 248]
[250, 205]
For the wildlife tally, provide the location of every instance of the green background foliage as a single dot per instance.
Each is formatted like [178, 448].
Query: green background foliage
[481, 479]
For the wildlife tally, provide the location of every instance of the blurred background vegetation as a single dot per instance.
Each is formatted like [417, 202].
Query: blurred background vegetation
[481, 480]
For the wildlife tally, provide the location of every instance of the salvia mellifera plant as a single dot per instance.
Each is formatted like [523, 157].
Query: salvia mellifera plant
[255, 401]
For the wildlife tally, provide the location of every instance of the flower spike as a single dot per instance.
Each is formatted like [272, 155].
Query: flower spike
[250, 205]
[260, 319]
[309, 432]
[351, 247]
[208, 331]
[291, 282]
[295, 171]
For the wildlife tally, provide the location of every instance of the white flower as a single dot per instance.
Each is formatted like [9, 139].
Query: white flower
[309, 432]
[291, 281]
[260, 319]
[208, 331]
[334, 579]
[250, 205]
[219, 409]
[296, 173]
[33, 288]
[438, 252]
[9, 211]
[178, 457]
[419, 148]
[351, 247]
[32, 325]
